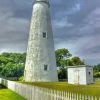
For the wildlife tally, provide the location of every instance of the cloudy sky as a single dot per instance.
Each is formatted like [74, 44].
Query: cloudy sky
[76, 26]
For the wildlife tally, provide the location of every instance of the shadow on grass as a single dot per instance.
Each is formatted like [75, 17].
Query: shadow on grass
[2, 87]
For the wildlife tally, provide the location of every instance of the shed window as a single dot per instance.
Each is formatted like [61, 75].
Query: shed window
[44, 34]
[45, 67]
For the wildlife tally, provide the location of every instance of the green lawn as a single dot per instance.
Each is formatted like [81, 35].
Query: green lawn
[93, 89]
[6, 94]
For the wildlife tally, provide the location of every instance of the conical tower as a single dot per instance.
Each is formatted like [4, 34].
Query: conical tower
[40, 60]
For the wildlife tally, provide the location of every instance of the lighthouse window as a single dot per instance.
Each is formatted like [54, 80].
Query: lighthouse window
[44, 35]
[45, 67]
[89, 73]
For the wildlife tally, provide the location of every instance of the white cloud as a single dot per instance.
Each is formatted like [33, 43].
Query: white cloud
[13, 31]
[60, 23]
[86, 45]
[80, 36]
[76, 8]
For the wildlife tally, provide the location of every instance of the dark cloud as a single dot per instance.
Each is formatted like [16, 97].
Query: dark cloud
[76, 26]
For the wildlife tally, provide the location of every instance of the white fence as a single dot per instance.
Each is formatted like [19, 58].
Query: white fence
[38, 93]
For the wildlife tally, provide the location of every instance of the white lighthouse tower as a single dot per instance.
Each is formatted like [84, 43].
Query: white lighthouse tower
[40, 60]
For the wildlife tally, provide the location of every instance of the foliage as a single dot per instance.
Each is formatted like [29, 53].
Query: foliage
[12, 64]
[96, 71]
[97, 74]
[68, 62]
[77, 61]
[97, 68]
[62, 73]
[21, 78]
[61, 56]
[16, 57]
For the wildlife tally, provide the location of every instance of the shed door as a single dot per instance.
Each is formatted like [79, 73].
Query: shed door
[76, 77]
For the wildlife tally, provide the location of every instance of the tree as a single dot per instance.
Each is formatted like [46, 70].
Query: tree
[62, 73]
[5, 60]
[97, 68]
[77, 61]
[68, 62]
[63, 60]
[16, 57]
[96, 74]
[12, 64]
[96, 71]
[61, 56]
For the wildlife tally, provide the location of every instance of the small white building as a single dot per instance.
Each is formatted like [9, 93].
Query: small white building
[81, 75]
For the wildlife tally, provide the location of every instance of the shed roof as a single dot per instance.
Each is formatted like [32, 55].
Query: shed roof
[78, 66]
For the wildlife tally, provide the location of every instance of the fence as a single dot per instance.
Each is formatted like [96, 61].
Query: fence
[38, 93]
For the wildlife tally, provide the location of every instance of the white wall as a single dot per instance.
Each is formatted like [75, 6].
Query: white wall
[70, 76]
[40, 51]
[80, 75]
[89, 77]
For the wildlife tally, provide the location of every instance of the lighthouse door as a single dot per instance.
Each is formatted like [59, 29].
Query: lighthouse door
[76, 77]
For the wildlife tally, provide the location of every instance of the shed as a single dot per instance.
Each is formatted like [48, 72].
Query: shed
[82, 74]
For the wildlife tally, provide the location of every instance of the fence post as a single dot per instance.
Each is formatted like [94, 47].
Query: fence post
[69, 96]
[66, 95]
[58, 95]
[75, 97]
[95, 98]
[33, 93]
[91, 97]
[47, 94]
[72, 96]
[51, 94]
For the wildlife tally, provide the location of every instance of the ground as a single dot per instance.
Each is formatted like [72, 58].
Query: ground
[6, 94]
[92, 90]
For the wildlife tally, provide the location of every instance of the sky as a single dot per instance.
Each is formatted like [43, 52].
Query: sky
[76, 26]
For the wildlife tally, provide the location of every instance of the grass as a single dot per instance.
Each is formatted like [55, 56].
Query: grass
[92, 90]
[6, 94]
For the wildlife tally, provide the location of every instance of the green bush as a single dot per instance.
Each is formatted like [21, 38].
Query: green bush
[97, 75]
[21, 78]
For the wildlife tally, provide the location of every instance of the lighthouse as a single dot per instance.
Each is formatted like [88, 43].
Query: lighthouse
[40, 63]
